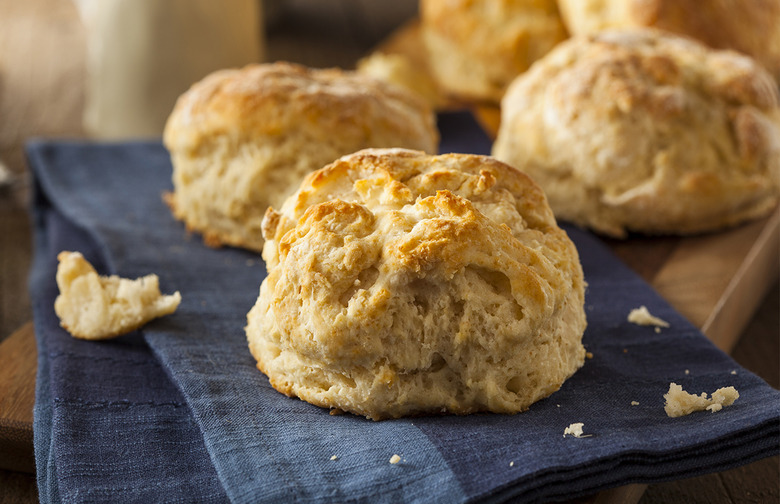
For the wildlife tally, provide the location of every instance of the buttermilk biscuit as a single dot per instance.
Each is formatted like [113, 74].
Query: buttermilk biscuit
[242, 139]
[748, 26]
[97, 307]
[400, 283]
[641, 130]
[402, 70]
[476, 47]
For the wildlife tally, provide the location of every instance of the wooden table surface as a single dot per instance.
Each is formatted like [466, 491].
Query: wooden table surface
[42, 75]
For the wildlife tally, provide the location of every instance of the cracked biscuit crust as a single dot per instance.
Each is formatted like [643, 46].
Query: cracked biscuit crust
[641, 130]
[401, 283]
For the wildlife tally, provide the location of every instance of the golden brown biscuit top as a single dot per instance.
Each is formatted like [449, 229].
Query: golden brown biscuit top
[400, 216]
[423, 213]
[273, 99]
[749, 26]
[646, 130]
[394, 179]
[623, 78]
[652, 67]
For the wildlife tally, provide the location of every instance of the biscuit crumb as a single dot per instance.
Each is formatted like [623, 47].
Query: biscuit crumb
[512, 464]
[734, 372]
[575, 430]
[680, 403]
[334, 457]
[642, 316]
[395, 459]
[589, 355]
[94, 307]
[634, 403]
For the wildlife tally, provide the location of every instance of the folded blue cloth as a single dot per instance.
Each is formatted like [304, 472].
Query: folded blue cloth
[177, 412]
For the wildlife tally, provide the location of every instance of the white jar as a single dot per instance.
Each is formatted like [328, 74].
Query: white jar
[143, 54]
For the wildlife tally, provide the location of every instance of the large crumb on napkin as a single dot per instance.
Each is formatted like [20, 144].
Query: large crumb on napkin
[96, 307]
[642, 316]
[680, 402]
[575, 430]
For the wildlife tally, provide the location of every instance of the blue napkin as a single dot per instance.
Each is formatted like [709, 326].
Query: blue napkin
[178, 412]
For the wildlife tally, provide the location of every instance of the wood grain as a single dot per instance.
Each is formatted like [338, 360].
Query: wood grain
[17, 379]
[15, 257]
[722, 297]
[17, 488]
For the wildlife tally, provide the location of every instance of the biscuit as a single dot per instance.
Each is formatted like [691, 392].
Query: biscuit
[476, 47]
[404, 284]
[97, 307]
[242, 139]
[748, 26]
[641, 130]
[401, 70]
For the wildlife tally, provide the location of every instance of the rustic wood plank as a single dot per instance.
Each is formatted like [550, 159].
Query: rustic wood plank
[624, 494]
[744, 484]
[15, 257]
[714, 292]
[759, 347]
[17, 488]
[748, 286]
[17, 380]
[707, 489]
